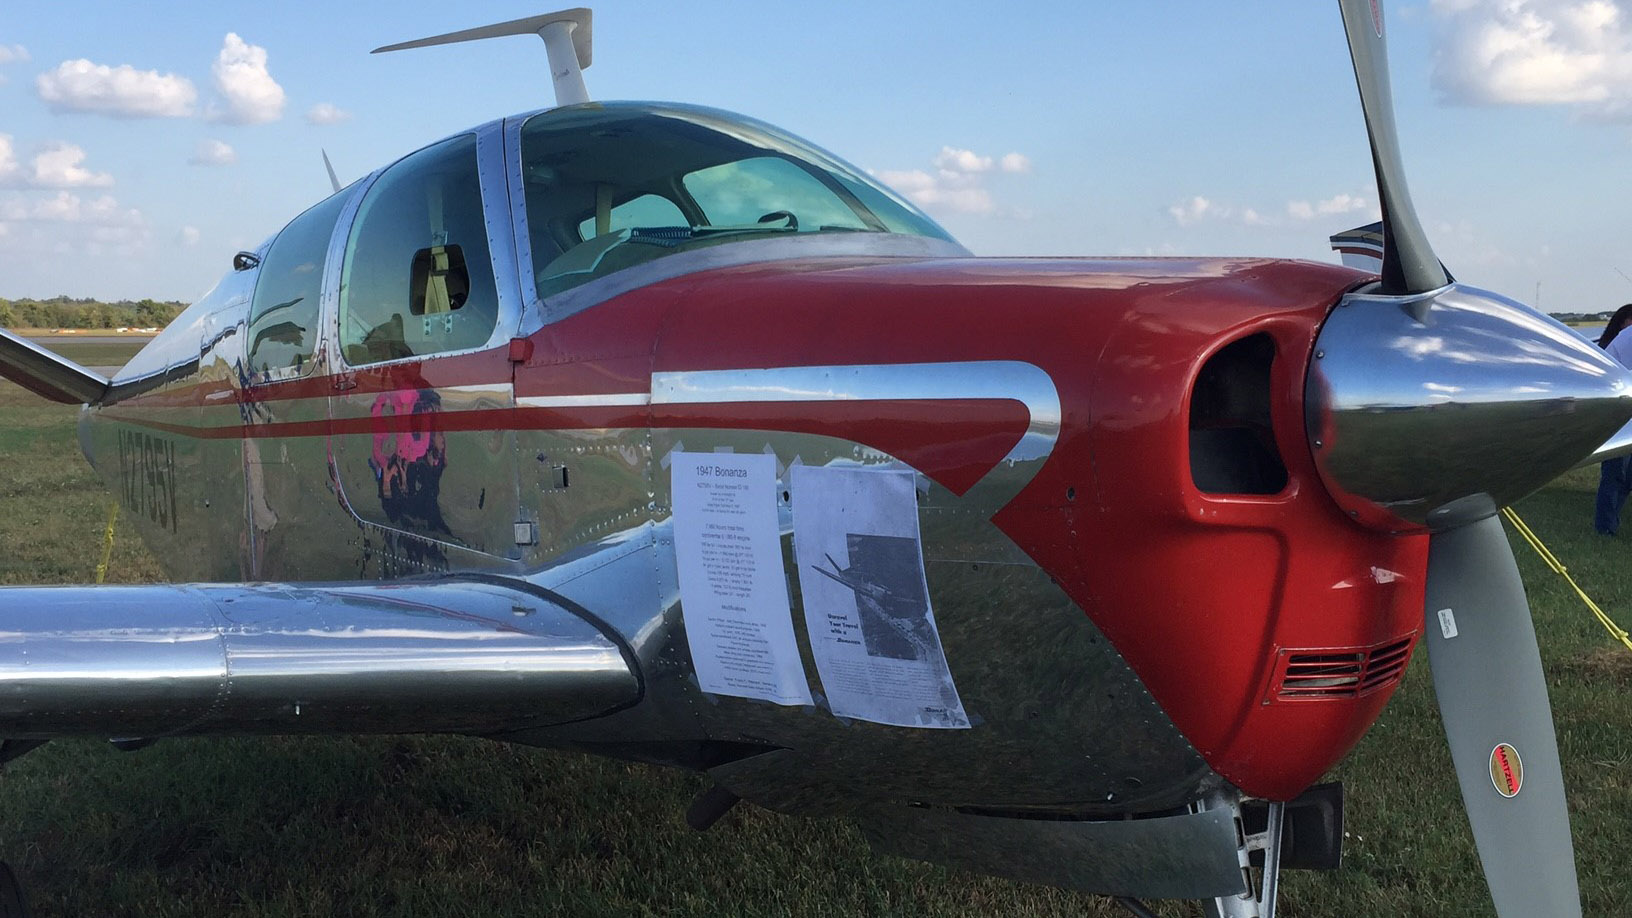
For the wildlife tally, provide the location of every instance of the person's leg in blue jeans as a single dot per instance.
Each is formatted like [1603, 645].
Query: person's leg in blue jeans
[1613, 485]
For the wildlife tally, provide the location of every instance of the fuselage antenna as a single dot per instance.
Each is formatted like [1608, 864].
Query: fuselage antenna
[566, 37]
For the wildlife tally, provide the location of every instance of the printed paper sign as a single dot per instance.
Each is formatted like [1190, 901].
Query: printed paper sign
[861, 570]
[733, 588]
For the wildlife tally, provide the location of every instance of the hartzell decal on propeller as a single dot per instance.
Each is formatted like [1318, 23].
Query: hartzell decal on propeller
[653, 430]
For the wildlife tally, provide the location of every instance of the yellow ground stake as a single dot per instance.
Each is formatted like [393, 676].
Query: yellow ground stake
[1519, 526]
[107, 542]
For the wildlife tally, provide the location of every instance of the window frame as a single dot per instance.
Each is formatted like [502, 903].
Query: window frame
[325, 293]
[541, 312]
[491, 176]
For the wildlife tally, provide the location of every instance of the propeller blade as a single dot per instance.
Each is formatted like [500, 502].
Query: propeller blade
[1409, 263]
[334, 180]
[1493, 699]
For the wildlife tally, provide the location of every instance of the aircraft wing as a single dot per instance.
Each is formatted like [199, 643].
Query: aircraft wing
[472, 654]
[46, 374]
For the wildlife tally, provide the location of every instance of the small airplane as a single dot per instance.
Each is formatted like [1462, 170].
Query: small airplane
[652, 430]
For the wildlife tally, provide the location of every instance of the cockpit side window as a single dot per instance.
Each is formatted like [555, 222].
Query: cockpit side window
[609, 186]
[418, 278]
[283, 313]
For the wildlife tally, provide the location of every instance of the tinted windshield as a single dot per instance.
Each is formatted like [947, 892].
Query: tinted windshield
[613, 185]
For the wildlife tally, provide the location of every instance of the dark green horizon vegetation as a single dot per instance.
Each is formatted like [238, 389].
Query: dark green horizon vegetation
[71, 312]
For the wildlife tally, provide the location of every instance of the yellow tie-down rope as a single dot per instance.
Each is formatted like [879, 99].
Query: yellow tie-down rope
[107, 543]
[1519, 526]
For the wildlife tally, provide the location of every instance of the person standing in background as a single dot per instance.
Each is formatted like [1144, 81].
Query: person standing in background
[1614, 475]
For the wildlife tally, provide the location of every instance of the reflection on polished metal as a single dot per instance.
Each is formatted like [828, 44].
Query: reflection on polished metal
[1618, 444]
[418, 657]
[1441, 421]
[1190, 856]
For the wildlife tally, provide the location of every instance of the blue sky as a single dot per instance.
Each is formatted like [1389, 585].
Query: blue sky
[142, 144]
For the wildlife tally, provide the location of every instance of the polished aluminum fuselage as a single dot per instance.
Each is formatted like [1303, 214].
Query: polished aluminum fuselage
[1129, 615]
[1042, 406]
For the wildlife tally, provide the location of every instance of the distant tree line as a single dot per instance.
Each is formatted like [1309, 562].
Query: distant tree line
[67, 312]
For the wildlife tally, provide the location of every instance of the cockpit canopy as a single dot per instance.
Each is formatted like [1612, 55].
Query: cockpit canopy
[610, 185]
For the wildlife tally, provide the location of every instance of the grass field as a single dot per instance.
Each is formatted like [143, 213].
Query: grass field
[434, 826]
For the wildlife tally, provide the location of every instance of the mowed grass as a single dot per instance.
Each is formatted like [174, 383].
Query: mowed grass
[448, 826]
[97, 353]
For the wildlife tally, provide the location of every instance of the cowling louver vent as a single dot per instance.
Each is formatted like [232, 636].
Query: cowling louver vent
[1350, 672]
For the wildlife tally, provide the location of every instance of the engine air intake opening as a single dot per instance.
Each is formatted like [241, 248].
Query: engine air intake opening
[1232, 437]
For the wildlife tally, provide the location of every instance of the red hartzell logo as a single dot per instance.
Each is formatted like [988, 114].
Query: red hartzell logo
[1506, 770]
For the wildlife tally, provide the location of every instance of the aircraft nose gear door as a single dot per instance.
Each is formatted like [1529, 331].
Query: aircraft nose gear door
[421, 403]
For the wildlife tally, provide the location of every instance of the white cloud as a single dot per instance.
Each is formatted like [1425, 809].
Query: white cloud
[1195, 210]
[1198, 209]
[123, 91]
[1535, 52]
[9, 54]
[188, 236]
[58, 166]
[952, 159]
[957, 182]
[326, 113]
[1015, 162]
[213, 153]
[937, 192]
[252, 96]
[10, 170]
[67, 224]
[67, 207]
[1339, 204]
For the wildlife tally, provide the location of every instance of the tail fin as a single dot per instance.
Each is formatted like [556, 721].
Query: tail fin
[1361, 247]
[567, 41]
[47, 374]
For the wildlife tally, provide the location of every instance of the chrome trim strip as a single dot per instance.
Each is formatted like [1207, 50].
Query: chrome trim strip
[974, 379]
[333, 264]
[497, 210]
[521, 246]
[502, 389]
[607, 400]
